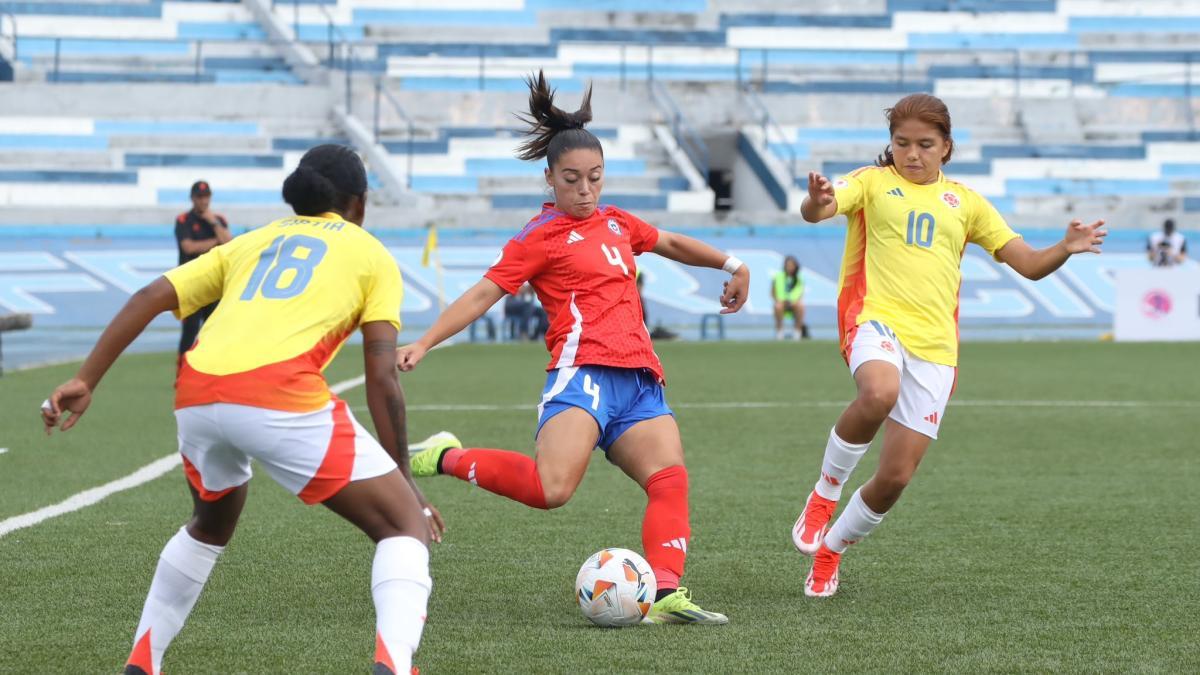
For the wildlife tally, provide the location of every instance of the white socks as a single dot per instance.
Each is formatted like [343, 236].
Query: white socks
[183, 568]
[857, 521]
[400, 585]
[840, 459]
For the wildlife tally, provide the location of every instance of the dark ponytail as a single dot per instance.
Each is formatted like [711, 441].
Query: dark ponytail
[553, 131]
[327, 179]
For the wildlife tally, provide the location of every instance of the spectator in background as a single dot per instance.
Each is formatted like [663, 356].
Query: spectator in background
[196, 233]
[787, 296]
[529, 321]
[1167, 248]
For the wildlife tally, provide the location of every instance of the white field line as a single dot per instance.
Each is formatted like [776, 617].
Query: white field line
[3, 450]
[743, 405]
[142, 476]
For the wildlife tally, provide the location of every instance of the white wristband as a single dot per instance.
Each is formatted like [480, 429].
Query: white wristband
[732, 265]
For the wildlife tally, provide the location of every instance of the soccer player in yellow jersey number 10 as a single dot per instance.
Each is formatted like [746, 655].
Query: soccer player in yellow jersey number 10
[898, 315]
[251, 386]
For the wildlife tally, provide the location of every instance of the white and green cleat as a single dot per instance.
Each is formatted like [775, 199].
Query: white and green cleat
[679, 608]
[424, 457]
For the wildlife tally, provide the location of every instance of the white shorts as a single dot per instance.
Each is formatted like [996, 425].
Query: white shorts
[313, 454]
[925, 387]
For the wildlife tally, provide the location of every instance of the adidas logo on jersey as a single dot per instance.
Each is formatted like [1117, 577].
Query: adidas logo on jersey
[896, 192]
[574, 237]
[932, 419]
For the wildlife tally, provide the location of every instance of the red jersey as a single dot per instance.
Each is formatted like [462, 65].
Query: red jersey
[584, 273]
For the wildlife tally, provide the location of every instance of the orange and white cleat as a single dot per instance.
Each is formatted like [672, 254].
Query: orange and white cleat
[822, 580]
[810, 527]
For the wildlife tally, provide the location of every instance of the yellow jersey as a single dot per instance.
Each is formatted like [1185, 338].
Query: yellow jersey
[291, 293]
[904, 248]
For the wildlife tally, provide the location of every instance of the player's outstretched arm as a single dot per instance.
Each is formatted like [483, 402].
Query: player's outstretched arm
[684, 249]
[75, 395]
[385, 400]
[1036, 264]
[468, 307]
[820, 204]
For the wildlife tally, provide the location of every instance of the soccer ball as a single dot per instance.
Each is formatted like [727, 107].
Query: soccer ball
[615, 587]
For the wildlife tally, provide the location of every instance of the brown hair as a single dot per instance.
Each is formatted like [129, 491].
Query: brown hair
[921, 107]
[553, 131]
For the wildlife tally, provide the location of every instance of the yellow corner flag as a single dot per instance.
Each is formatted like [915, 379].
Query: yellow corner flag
[430, 245]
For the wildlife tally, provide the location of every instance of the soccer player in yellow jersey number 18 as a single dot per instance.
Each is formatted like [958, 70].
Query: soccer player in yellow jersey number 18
[252, 386]
[898, 315]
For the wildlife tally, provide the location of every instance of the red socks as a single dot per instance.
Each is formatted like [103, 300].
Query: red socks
[506, 473]
[665, 529]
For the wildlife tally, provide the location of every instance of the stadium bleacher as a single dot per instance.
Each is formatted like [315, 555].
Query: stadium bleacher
[148, 41]
[802, 66]
[132, 162]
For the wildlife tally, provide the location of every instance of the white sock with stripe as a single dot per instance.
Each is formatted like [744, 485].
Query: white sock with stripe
[840, 459]
[857, 521]
[400, 586]
[183, 568]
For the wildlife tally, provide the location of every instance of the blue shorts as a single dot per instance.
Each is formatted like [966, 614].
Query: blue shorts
[617, 398]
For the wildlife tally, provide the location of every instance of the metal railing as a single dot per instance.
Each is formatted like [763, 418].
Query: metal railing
[334, 33]
[12, 19]
[685, 134]
[195, 67]
[383, 94]
[768, 124]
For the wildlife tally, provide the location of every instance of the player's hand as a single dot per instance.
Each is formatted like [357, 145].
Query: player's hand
[1084, 238]
[72, 396]
[437, 526]
[211, 218]
[433, 517]
[736, 290]
[408, 356]
[820, 190]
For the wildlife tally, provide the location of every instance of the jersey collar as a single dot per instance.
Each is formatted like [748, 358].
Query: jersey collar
[896, 172]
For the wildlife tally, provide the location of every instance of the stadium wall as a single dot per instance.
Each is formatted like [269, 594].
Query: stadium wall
[76, 285]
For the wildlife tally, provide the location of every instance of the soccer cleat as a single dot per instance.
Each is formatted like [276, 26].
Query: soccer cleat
[424, 457]
[809, 530]
[679, 608]
[822, 580]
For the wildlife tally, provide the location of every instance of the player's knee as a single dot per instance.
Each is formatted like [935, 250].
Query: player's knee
[207, 531]
[889, 485]
[557, 495]
[878, 400]
[386, 526]
[780, 306]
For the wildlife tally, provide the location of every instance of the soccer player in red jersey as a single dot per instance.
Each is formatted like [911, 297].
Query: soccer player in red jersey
[898, 315]
[605, 383]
